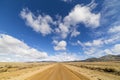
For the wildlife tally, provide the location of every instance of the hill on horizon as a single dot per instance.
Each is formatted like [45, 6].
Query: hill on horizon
[104, 58]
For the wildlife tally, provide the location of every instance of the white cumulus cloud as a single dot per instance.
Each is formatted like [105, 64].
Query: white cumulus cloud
[97, 42]
[114, 29]
[40, 23]
[82, 14]
[79, 14]
[63, 57]
[116, 49]
[61, 45]
[10, 45]
[75, 33]
[107, 51]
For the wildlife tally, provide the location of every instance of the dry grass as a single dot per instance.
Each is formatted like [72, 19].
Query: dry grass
[14, 69]
[9, 67]
[108, 67]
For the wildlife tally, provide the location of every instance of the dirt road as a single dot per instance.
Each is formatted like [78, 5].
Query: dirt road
[57, 72]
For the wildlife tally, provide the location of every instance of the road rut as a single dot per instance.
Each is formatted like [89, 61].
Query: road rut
[57, 72]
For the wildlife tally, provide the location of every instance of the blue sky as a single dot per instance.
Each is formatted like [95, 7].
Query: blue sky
[59, 30]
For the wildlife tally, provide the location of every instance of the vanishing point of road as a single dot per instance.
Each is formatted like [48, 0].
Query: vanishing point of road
[58, 72]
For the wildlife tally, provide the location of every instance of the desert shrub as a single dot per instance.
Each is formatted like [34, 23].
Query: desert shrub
[109, 70]
[20, 68]
[3, 70]
[8, 66]
[117, 73]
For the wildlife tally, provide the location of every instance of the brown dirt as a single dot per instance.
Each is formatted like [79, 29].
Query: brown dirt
[93, 74]
[57, 72]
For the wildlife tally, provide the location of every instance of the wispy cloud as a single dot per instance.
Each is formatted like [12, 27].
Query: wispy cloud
[63, 56]
[110, 13]
[115, 50]
[13, 49]
[109, 43]
[108, 18]
[114, 29]
[67, 0]
[75, 33]
[64, 26]
[94, 43]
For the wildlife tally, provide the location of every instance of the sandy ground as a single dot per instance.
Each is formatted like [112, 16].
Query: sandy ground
[23, 74]
[58, 72]
[94, 75]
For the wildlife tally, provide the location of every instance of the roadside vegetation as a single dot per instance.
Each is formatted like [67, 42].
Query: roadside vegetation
[108, 67]
[9, 67]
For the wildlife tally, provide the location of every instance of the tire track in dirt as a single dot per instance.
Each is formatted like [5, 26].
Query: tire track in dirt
[57, 72]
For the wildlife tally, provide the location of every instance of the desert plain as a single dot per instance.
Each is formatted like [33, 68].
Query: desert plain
[60, 70]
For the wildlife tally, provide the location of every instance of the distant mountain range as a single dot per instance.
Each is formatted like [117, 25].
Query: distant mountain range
[104, 58]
